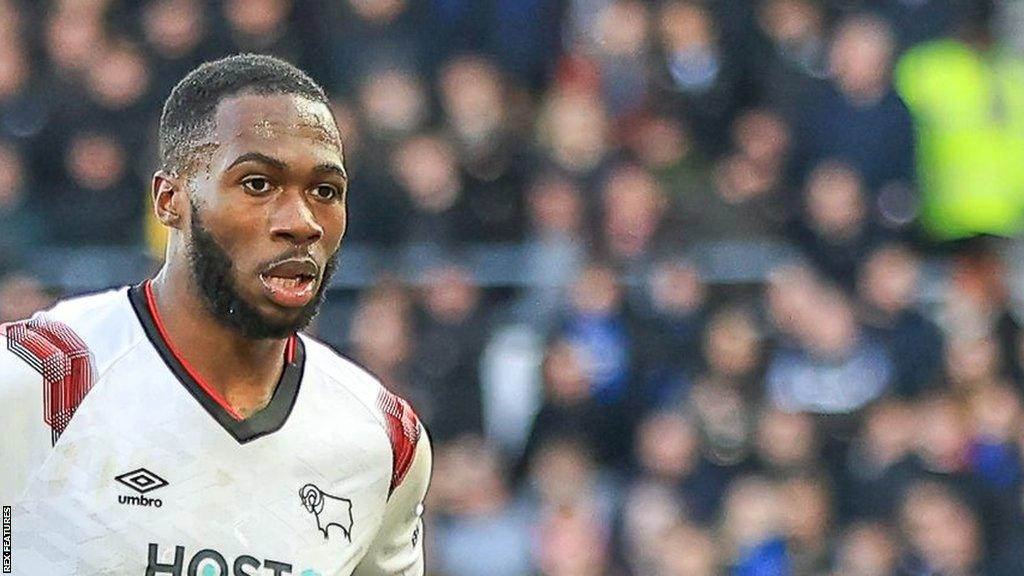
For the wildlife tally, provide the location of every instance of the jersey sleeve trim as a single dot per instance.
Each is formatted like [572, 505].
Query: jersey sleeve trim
[403, 428]
[53, 350]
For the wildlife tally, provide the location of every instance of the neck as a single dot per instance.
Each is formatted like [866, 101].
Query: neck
[865, 96]
[243, 371]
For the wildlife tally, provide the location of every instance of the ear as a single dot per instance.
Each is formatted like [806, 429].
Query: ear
[170, 199]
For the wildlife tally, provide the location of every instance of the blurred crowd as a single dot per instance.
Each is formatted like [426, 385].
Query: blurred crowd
[855, 410]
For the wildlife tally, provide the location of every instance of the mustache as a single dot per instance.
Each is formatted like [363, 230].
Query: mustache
[293, 255]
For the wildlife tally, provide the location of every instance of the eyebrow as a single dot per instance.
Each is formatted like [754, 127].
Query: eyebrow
[325, 167]
[258, 157]
[332, 168]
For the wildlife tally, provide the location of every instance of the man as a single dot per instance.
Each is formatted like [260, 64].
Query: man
[964, 93]
[186, 428]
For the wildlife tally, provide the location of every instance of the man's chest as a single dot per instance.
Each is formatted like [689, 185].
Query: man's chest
[144, 481]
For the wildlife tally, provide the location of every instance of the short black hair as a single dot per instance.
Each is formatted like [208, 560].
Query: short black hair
[189, 110]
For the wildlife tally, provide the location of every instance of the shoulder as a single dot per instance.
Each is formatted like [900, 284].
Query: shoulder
[59, 354]
[94, 329]
[103, 323]
[397, 418]
[341, 372]
[932, 60]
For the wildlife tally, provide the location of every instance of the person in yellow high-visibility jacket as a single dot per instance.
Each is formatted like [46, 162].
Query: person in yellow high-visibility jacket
[967, 99]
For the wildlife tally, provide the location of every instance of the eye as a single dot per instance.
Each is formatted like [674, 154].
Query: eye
[257, 185]
[326, 192]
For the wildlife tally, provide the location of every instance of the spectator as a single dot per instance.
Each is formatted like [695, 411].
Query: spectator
[725, 419]
[649, 510]
[569, 409]
[480, 528]
[867, 549]
[18, 219]
[753, 530]
[451, 330]
[995, 411]
[572, 543]
[879, 464]
[943, 531]
[835, 369]
[556, 250]
[473, 98]
[978, 301]
[424, 167]
[573, 500]
[787, 443]
[614, 39]
[574, 132]
[860, 121]
[633, 217]
[808, 523]
[886, 284]
[174, 32]
[790, 288]
[118, 84]
[663, 145]
[972, 362]
[597, 324]
[673, 316]
[696, 75]
[790, 63]
[743, 199]
[260, 26]
[943, 436]
[837, 234]
[944, 448]
[668, 451]
[97, 180]
[71, 33]
[21, 296]
[686, 550]
[393, 102]
[360, 37]
[381, 335]
[21, 114]
[733, 352]
[970, 146]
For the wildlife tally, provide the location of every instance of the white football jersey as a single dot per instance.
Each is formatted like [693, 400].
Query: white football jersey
[115, 458]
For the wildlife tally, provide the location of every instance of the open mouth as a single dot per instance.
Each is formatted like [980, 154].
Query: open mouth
[287, 283]
[291, 283]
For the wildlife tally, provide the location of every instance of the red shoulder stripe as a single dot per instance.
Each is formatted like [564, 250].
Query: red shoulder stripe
[62, 358]
[403, 429]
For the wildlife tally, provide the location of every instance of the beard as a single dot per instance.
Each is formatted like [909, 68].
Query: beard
[213, 273]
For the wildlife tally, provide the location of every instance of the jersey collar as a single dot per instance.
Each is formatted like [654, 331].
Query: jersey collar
[271, 418]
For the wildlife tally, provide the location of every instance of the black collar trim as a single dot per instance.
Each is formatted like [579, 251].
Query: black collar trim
[268, 420]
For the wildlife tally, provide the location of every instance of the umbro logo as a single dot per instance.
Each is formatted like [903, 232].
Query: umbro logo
[141, 481]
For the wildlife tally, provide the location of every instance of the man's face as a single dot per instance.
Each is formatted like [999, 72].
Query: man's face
[268, 213]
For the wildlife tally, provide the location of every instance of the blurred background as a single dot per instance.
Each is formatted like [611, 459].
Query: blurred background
[679, 287]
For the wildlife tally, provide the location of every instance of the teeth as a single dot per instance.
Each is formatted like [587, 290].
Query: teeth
[286, 282]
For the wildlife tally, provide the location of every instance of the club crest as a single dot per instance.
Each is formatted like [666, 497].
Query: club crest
[328, 510]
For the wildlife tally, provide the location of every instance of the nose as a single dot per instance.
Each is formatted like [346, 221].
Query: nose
[293, 220]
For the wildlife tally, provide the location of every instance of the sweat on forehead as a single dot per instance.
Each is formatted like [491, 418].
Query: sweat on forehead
[269, 117]
[188, 114]
[245, 120]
